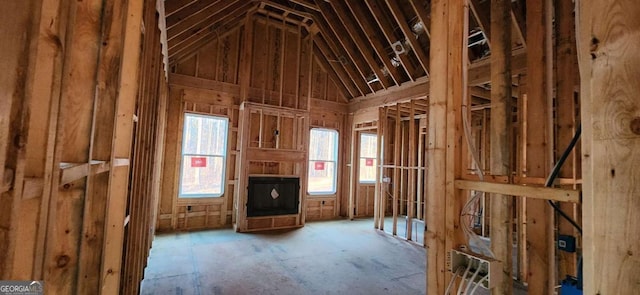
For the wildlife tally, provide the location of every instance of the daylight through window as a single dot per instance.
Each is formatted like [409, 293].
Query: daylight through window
[204, 151]
[368, 157]
[323, 159]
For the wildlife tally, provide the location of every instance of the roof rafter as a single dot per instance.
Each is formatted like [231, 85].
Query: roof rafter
[239, 8]
[339, 33]
[341, 56]
[332, 59]
[187, 11]
[360, 42]
[324, 64]
[402, 21]
[198, 18]
[387, 31]
[375, 42]
[220, 30]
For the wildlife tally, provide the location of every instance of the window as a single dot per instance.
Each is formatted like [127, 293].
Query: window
[323, 159]
[204, 152]
[368, 157]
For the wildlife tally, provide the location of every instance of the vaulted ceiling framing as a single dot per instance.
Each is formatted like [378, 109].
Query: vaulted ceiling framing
[366, 46]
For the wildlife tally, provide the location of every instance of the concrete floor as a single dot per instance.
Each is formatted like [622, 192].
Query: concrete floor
[333, 257]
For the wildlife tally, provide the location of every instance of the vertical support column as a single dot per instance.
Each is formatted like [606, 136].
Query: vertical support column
[123, 134]
[501, 131]
[610, 70]
[445, 99]
[396, 168]
[411, 183]
[539, 215]
[378, 212]
[566, 116]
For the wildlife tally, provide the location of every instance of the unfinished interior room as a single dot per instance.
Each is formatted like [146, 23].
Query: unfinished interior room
[320, 146]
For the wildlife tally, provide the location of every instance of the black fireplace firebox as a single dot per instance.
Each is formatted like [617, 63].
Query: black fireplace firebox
[269, 196]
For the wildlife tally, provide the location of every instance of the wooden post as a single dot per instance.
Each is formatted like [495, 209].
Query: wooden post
[610, 69]
[411, 183]
[445, 99]
[501, 130]
[123, 129]
[396, 169]
[378, 213]
[566, 116]
[539, 215]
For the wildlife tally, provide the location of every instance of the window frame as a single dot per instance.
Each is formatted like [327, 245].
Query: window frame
[182, 195]
[335, 162]
[360, 157]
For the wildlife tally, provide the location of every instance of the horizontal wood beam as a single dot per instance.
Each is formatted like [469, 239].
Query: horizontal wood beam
[480, 71]
[328, 106]
[393, 95]
[200, 83]
[261, 154]
[545, 193]
[71, 172]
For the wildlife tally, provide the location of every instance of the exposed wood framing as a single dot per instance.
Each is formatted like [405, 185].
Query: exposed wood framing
[396, 11]
[360, 43]
[445, 99]
[501, 145]
[387, 31]
[566, 120]
[336, 29]
[372, 36]
[539, 214]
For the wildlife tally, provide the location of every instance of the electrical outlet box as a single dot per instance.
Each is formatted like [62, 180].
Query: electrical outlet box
[488, 266]
[567, 243]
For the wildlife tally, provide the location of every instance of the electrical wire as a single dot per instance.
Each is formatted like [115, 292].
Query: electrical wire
[471, 206]
[453, 279]
[479, 283]
[464, 276]
[473, 277]
[554, 174]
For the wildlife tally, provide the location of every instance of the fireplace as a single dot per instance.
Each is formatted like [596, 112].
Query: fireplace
[269, 196]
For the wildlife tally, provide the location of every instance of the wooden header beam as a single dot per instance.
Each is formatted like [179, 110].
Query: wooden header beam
[534, 192]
